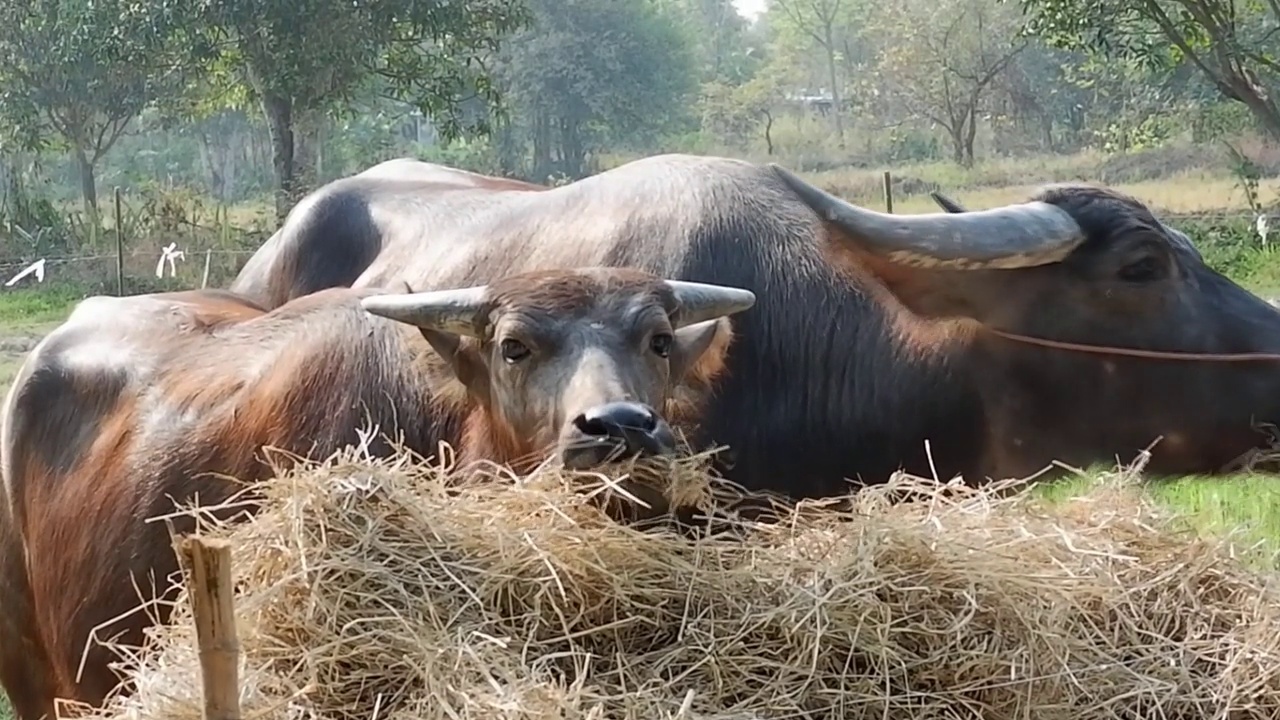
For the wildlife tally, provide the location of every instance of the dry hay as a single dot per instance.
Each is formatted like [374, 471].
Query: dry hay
[384, 590]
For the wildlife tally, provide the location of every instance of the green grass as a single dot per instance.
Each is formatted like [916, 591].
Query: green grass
[35, 307]
[26, 315]
[1246, 505]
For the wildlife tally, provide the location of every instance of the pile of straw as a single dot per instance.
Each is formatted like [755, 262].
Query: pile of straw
[388, 590]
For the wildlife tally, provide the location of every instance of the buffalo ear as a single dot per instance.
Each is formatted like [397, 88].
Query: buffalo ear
[464, 359]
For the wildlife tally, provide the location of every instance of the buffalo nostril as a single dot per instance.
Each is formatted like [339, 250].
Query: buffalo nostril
[612, 419]
[613, 430]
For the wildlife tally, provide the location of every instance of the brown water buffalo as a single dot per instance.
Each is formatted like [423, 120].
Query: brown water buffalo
[872, 333]
[132, 402]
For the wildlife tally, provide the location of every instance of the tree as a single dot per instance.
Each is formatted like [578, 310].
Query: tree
[941, 57]
[733, 114]
[1232, 42]
[299, 60]
[587, 72]
[78, 72]
[717, 36]
[820, 21]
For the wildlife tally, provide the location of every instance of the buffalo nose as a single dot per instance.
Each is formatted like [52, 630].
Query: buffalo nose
[615, 419]
[608, 432]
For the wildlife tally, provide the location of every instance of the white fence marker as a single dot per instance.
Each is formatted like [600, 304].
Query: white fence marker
[171, 254]
[1263, 225]
[36, 267]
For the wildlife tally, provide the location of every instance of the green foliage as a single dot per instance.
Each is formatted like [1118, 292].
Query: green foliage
[325, 55]
[77, 68]
[1231, 44]
[594, 72]
[34, 226]
[717, 37]
[477, 155]
[1218, 120]
[733, 114]
[47, 303]
[1147, 132]
[912, 145]
[940, 59]
[1231, 246]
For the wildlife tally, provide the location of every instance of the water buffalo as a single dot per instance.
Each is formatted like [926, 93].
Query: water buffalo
[873, 333]
[133, 402]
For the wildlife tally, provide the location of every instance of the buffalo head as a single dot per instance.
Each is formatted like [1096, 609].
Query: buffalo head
[583, 361]
[1077, 265]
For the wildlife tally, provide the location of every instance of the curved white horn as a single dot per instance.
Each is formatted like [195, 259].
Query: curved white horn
[1014, 236]
[701, 301]
[453, 311]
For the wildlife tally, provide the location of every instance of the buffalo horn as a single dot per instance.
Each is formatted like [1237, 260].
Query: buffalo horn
[1013, 236]
[452, 311]
[700, 302]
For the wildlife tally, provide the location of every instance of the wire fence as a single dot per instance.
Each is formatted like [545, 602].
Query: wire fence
[137, 271]
[136, 265]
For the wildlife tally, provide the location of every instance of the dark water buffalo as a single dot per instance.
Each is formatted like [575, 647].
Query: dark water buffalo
[133, 403]
[872, 333]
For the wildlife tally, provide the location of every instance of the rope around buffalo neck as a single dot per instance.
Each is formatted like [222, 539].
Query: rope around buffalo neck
[1133, 352]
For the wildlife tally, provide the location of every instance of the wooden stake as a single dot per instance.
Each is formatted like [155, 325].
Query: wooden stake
[211, 592]
[119, 246]
[888, 191]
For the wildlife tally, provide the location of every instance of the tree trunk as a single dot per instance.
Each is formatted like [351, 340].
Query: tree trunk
[957, 147]
[1264, 109]
[571, 149]
[971, 132]
[307, 130]
[1046, 132]
[211, 164]
[89, 192]
[837, 106]
[279, 114]
[542, 165]
[510, 154]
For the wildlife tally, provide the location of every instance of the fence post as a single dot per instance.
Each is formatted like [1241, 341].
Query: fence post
[212, 597]
[119, 246]
[888, 192]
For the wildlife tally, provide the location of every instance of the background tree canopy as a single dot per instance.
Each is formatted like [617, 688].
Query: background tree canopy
[245, 102]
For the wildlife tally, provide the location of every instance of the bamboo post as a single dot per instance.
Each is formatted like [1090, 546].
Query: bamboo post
[211, 593]
[888, 192]
[119, 245]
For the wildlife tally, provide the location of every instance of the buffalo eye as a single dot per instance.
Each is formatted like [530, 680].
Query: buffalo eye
[1145, 270]
[513, 351]
[661, 344]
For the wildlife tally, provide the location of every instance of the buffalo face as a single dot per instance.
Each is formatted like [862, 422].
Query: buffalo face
[1077, 266]
[583, 362]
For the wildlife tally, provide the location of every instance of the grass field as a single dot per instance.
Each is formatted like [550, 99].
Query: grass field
[1248, 503]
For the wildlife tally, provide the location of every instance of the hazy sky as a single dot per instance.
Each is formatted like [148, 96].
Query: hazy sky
[750, 8]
